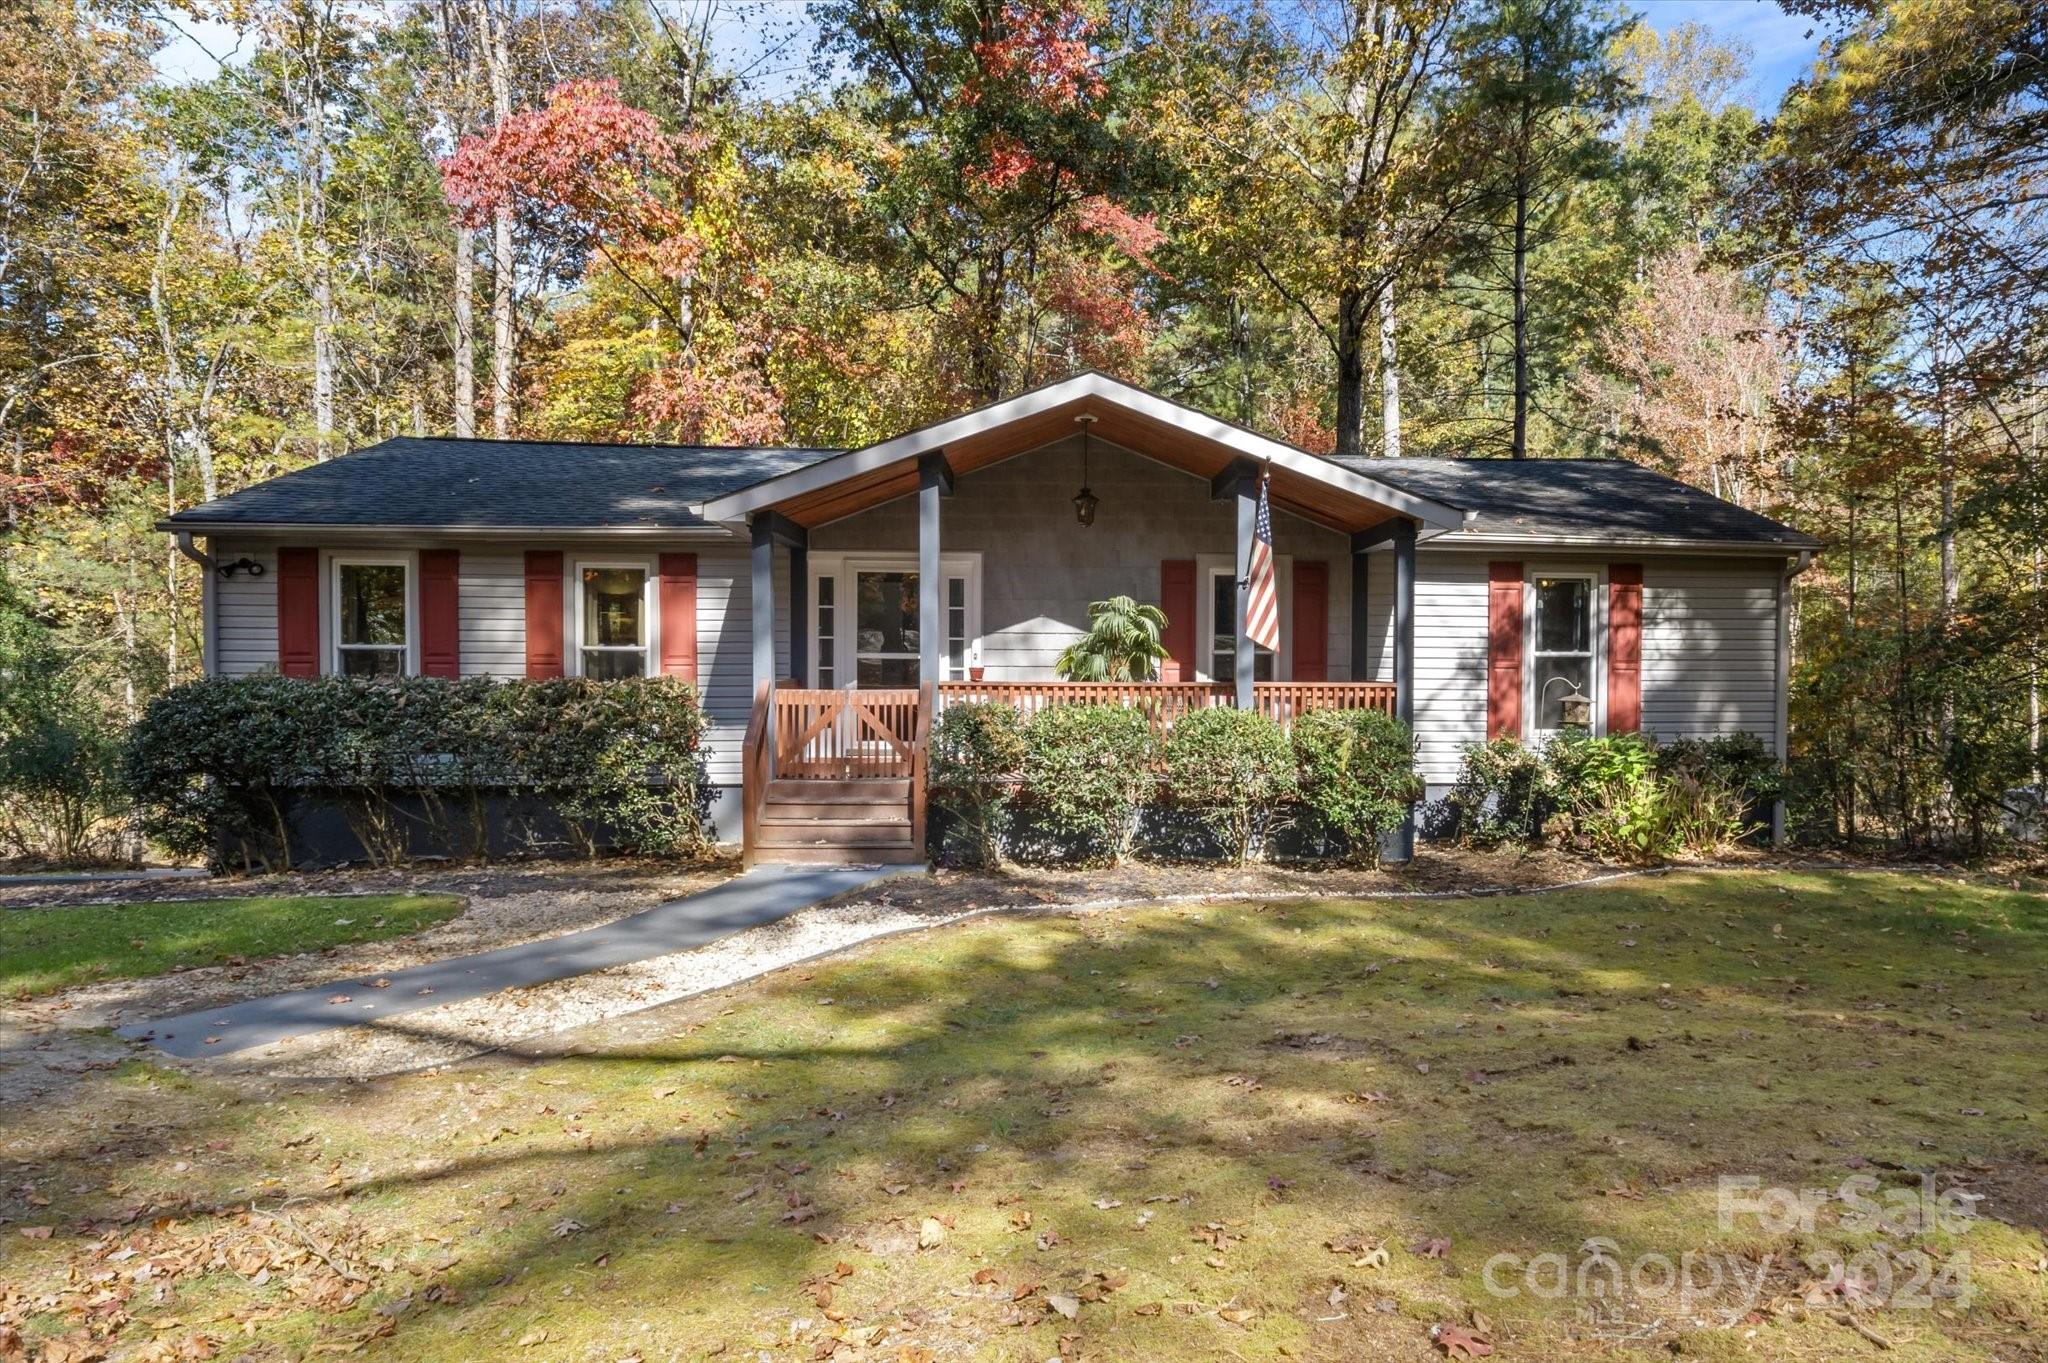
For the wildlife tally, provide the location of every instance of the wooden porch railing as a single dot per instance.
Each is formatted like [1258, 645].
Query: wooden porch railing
[1165, 702]
[846, 735]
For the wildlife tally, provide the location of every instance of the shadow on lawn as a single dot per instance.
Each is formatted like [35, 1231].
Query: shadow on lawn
[1516, 1075]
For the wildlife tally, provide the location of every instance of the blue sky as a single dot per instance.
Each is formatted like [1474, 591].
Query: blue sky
[767, 37]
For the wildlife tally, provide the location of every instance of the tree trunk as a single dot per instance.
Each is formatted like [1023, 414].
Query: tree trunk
[1354, 312]
[1520, 444]
[492, 29]
[465, 332]
[1390, 378]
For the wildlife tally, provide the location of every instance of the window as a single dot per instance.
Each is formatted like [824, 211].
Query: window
[828, 672]
[614, 622]
[1561, 660]
[885, 638]
[370, 634]
[1223, 632]
[956, 629]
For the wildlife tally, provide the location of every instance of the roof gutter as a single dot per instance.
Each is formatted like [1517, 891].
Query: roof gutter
[1805, 549]
[186, 529]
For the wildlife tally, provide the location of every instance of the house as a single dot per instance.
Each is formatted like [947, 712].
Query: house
[1474, 597]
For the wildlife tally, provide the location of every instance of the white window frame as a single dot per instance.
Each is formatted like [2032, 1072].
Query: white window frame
[331, 625]
[1208, 567]
[650, 612]
[1596, 640]
[844, 570]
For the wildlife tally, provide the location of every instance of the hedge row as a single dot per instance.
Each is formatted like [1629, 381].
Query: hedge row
[1077, 781]
[1622, 797]
[219, 768]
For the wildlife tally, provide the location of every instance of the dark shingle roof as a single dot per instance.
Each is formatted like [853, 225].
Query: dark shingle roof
[1579, 498]
[436, 482]
[486, 484]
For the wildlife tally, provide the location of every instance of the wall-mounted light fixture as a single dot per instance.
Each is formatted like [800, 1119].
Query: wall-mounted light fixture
[241, 565]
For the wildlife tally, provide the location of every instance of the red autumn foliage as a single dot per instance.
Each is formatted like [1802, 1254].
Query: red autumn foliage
[588, 159]
[1042, 54]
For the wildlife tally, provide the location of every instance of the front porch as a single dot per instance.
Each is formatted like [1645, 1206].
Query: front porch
[956, 562]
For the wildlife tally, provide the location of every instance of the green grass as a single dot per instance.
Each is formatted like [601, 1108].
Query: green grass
[1195, 1102]
[44, 950]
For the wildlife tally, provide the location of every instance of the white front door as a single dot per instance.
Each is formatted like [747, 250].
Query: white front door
[865, 627]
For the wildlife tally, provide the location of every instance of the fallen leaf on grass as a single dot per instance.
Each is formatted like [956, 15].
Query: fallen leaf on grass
[930, 1233]
[1458, 1342]
[1070, 1307]
[36, 1232]
[1435, 1247]
[1239, 1315]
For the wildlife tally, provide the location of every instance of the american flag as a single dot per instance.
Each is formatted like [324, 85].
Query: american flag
[1262, 594]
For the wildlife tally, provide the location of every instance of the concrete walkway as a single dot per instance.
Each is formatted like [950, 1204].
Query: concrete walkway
[759, 896]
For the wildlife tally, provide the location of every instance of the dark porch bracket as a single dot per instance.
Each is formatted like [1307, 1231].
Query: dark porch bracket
[1399, 532]
[771, 529]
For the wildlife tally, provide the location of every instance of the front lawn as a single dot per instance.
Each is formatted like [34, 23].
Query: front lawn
[1297, 1130]
[44, 950]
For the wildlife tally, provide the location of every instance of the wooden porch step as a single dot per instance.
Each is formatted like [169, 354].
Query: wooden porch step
[837, 811]
[834, 833]
[854, 791]
[894, 855]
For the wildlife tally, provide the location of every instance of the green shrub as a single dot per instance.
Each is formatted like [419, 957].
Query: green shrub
[977, 757]
[1502, 793]
[1233, 769]
[1609, 788]
[1738, 763]
[1355, 774]
[1089, 769]
[216, 767]
[60, 793]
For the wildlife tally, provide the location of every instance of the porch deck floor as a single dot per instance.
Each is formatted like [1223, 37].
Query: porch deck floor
[760, 895]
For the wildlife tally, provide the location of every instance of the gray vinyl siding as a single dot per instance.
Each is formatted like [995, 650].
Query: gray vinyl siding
[1041, 568]
[491, 612]
[725, 650]
[1710, 647]
[1450, 658]
[247, 612]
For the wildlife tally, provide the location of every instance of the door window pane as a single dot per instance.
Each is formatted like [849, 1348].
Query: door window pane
[1223, 632]
[614, 623]
[885, 629]
[956, 627]
[828, 674]
[370, 637]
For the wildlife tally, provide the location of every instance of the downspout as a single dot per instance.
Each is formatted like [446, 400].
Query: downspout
[209, 646]
[1784, 695]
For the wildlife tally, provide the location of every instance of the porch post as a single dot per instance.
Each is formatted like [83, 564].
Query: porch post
[934, 479]
[763, 597]
[1361, 618]
[1404, 660]
[800, 614]
[1247, 534]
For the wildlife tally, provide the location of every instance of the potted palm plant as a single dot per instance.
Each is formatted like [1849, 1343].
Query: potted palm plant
[1123, 643]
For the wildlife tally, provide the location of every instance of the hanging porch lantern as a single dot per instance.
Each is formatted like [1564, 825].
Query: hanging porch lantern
[1085, 501]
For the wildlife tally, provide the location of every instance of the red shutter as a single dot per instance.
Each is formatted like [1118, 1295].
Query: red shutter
[298, 612]
[543, 613]
[1311, 621]
[440, 613]
[1624, 647]
[1177, 599]
[679, 616]
[1503, 650]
